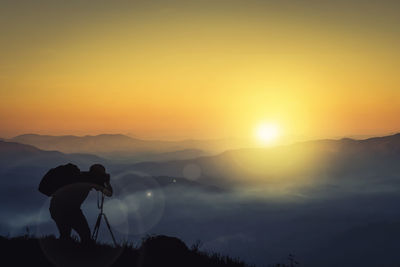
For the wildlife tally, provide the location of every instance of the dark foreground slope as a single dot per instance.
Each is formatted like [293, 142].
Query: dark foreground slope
[154, 251]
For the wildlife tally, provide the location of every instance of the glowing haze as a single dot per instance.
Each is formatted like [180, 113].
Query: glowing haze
[200, 69]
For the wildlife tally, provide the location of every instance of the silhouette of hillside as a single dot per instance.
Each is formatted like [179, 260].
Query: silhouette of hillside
[154, 251]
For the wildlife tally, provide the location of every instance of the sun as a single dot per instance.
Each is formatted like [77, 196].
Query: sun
[267, 133]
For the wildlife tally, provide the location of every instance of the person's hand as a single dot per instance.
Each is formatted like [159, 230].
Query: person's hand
[108, 191]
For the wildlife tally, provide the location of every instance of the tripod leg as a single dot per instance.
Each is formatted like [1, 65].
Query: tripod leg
[109, 228]
[96, 228]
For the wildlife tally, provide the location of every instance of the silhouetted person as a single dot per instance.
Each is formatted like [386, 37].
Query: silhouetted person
[65, 205]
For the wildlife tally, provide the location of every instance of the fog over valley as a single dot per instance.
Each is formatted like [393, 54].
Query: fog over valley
[325, 201]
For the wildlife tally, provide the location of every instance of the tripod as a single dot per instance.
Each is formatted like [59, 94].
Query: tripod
[102, 214]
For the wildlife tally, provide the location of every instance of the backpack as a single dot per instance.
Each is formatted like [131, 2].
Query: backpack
[59, 177]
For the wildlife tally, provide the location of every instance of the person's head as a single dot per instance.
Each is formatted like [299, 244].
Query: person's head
[98, 174]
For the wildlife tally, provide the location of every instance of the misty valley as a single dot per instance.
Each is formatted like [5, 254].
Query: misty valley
[330, 202]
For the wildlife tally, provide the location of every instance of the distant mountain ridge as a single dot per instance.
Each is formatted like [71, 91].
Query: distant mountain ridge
[303, 161]
[118, 146]
[21, 161]
[288, 163]
[16, 154]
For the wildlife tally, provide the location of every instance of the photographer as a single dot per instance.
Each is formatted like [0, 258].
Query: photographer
[65, 205]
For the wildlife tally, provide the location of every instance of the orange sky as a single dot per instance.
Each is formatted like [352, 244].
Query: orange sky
[199, 69]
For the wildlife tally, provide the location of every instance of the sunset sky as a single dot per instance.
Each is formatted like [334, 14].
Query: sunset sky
[200, 69]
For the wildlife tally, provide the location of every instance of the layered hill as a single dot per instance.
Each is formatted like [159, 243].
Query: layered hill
[14, 154]
[122, 147]
[307, 162]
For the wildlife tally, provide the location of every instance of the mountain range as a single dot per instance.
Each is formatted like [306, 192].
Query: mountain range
[301, 163]
[330, 202]
[297, 163]
[124, 148]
